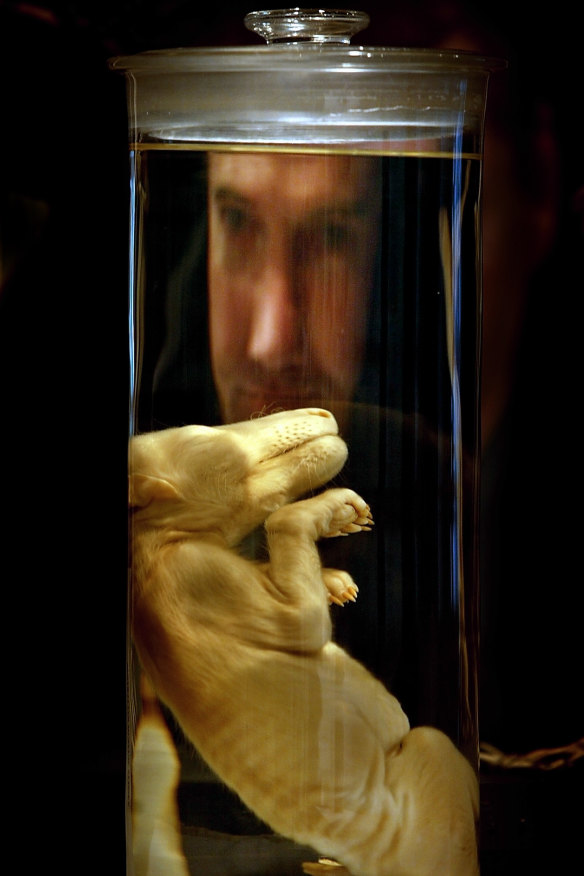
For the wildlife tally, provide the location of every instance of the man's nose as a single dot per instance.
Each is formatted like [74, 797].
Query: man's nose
[276, 329]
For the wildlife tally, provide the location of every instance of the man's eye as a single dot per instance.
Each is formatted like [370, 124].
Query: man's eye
[336, 236]
[327, 238]
[235, 219]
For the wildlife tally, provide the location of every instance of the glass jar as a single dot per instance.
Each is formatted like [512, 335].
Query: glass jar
[305, 235]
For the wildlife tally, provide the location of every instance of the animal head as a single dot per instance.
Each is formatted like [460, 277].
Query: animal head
[228, 479]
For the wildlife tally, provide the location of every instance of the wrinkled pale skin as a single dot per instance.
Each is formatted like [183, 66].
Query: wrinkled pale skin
[241, 652]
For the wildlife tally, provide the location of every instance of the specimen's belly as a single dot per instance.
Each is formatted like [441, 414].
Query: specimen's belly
[301, 739]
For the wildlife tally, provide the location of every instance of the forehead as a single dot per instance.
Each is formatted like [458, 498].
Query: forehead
[301, 179]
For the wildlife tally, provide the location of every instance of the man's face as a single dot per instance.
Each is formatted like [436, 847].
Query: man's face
[292, 243]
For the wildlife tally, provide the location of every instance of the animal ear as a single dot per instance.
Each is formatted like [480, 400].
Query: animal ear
[143, 489]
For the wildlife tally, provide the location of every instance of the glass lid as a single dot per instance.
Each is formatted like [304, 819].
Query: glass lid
[309, 85]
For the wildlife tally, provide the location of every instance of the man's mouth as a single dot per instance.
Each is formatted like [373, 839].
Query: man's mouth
[282, 397]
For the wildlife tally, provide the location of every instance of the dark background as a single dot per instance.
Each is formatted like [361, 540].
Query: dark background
[64, 403]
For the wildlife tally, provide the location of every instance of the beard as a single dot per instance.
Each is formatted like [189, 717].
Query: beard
[246, 394]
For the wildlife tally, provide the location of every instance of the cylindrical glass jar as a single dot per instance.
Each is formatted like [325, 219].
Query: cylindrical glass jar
[305, 233]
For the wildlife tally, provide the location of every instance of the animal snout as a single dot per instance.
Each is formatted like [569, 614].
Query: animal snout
[320, 412]
[290, 429]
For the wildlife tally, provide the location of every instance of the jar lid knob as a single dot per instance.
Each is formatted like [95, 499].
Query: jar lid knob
[330, 26]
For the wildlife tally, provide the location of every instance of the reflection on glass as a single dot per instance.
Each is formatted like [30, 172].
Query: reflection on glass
[268, 281]
[292, 247]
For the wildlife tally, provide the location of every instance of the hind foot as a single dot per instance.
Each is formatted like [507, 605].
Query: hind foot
[340, 586]
[325, 866]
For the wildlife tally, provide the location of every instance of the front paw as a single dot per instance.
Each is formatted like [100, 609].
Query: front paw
[348, 513]
[340, 586]
[334, 512]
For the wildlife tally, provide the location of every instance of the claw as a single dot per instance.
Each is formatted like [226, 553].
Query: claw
[351, 527]
[365, 521]
[342, 596]
[357, 526]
